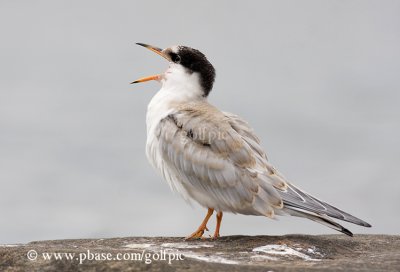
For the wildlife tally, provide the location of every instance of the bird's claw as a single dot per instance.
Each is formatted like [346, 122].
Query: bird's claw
[198, 234]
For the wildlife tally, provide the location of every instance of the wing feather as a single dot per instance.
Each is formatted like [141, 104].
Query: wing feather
[298, 199]
[217, 159]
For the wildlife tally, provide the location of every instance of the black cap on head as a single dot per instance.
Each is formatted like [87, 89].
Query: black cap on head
[195, 61]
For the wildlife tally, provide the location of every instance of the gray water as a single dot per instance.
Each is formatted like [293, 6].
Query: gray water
[318, 81]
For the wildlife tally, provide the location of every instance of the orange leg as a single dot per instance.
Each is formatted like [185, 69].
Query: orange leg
[219, 219]
[200, 231]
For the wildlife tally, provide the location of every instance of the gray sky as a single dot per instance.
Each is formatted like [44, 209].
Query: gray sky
[318, 80]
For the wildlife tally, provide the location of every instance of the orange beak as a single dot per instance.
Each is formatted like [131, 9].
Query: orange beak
[144, 79]
[158, 51]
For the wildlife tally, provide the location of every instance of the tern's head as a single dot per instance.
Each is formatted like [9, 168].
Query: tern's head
[187, 67]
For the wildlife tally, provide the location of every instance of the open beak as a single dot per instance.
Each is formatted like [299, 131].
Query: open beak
[158, 51]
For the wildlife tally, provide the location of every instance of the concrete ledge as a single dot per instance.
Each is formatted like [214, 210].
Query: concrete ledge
[230, 253]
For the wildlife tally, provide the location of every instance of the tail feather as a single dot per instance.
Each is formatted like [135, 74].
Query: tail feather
[296, 199]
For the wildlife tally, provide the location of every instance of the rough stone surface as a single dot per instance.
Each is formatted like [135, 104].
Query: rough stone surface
[231, 253]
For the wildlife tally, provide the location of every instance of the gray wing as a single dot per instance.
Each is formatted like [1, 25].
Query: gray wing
[219, 154]
[293, 197]
[218, 161]
[296, 199]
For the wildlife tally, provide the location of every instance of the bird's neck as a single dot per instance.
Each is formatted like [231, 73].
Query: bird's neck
[165, 101]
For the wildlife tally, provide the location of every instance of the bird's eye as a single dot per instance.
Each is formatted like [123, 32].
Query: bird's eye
[176, 58]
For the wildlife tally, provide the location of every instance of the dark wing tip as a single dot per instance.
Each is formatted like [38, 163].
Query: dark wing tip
[352, 219]
[347, 232]
[297, 198]
[367, 225]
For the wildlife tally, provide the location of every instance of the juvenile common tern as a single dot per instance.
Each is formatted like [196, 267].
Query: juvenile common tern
[214, 157]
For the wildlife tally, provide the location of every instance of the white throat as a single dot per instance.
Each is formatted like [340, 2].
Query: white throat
[178, 86]
[181, 82]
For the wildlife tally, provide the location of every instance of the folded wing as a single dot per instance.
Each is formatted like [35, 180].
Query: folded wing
[214, 162]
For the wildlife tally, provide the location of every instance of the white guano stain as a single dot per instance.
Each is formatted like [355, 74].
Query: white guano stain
[259, 258]
[267, 253]
[139, 246]
[284, 250]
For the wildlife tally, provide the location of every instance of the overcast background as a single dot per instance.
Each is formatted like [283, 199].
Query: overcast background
[318, 81]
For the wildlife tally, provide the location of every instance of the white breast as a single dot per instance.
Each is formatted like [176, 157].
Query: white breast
[178, 86]
[156, 111]
[161, 105]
